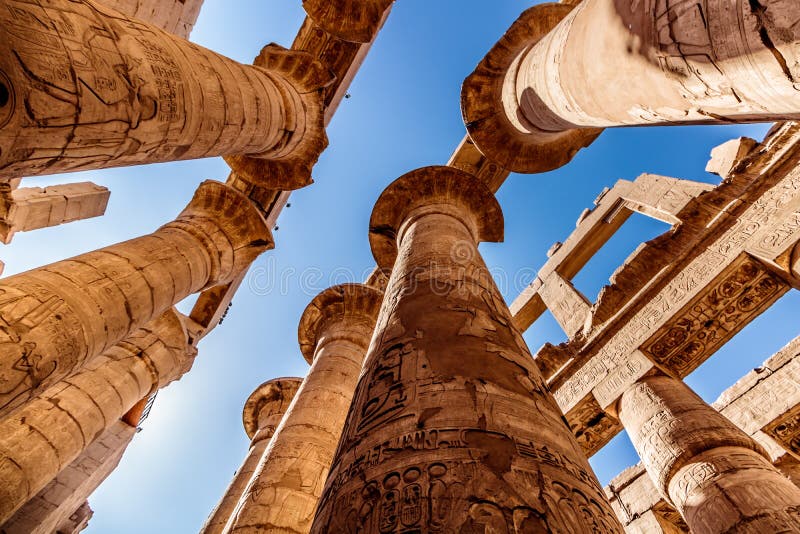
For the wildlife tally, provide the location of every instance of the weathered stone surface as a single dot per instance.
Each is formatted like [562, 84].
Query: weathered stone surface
[262, 414]
[42, 438]
[76, 522]
[683, 295]
[56, 317]
[57, 501]
[31, 208]
[714, 474]
[86, 87]
[350, 20]
[650, 64]
[334, 333]
[639, 505]
[175, 16]
[452, 427]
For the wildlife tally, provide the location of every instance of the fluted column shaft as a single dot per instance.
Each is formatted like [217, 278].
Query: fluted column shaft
[616, 63]
[83, 86]
[45, 436]
[54, 318]
[284, 492]
[714, 474]
[262, 414]
[59, 499]
[452, 428]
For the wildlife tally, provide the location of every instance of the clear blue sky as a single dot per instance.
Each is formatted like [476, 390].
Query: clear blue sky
[403, 114]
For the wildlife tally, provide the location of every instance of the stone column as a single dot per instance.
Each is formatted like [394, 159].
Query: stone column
[714, 474]
[83, 86]
[564, 69]
[46, 435]
[57, 501]
[262, 414]
[334, 334]
[54, 318]
[452, 428]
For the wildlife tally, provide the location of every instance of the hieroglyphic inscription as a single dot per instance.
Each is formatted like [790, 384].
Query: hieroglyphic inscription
[786, 430]
[716, 315]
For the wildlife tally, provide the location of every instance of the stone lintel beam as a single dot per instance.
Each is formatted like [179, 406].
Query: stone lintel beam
[334, 333]
[640, 507]
[32, 208]
[727, 156]
[48, 433]
[646, 67]
[262, 414]
[715, 475]
[77, 521]
[350, 20]
[568, 305]
[444, 339]
[149, 95]
[57, 501]
[659, 197]
[57, 317]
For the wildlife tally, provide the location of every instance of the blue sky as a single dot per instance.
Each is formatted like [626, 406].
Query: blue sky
[403, 114]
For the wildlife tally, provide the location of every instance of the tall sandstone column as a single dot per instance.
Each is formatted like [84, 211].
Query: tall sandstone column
[83, 86]
[262, 414]
[66, 493]
[46, 435]
[714, 474]
[54, 318]
[334, 334]
[452, 428]
[561, 71]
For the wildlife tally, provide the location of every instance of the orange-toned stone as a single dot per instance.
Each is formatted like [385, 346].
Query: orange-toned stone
[83, 86]
[452, 428]
[334, 334]
[536, 99]
[56, 317]
[51, 431]
[262, 414]
[714, 474]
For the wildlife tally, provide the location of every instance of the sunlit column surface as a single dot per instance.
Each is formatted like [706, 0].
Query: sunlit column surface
[452, 428]
[561, 71]
[45, 436]
[714, 474]
[56, 317]
[83, 86]
[334, 333]
[262, 413]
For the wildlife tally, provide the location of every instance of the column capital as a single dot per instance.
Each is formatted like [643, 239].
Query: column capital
[428, 187]
[335, 304]
[272, 398]
[287, 166]
[356, 21]
[241, 225]
[517, 145]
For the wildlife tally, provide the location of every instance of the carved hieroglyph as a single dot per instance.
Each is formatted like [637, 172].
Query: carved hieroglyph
[334, 334]
[83, 86]
[262, 414]
[55, 428]
[629, 62]
[452, 428]
[57, 501]
[714, 474]
[52, 319]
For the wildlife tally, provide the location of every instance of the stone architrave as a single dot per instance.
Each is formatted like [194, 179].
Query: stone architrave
[51, 431]
[57, 501]
[452, 428]
[713, 473]
[334, 334]
[54, 318]
[175, 16]
[83, 86]
[262, 414]
[562, 72]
